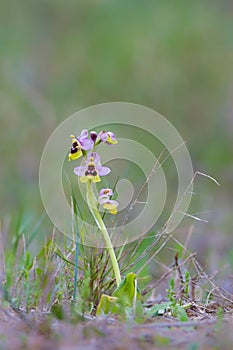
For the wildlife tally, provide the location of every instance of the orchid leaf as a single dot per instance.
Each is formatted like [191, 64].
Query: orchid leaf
[127, 290]
[107, 305]
[125, 296]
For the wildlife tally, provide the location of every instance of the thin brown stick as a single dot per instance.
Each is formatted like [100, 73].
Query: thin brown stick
[164, 276]
[178, 269]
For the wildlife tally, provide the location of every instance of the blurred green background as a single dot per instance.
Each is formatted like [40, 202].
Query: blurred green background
[173, 56]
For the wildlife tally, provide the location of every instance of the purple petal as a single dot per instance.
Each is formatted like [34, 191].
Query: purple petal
[111, 201]
[93, 135]
[95, 156]
[106, 192]
[103, 170]
[83, 135]
[103, 136]
[86, 144]
[79, 170]
[103, 199]
[111, 134]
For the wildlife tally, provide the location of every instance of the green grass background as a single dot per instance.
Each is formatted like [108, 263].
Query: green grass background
[173, 56]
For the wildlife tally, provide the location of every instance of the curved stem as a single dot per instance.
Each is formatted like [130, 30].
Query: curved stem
[92, 203]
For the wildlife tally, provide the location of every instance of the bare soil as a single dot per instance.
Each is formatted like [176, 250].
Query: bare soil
[37, 331]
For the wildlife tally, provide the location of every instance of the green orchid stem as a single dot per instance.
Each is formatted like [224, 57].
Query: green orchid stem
[92, 203]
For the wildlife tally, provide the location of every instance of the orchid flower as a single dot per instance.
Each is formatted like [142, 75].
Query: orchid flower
[106, 202]
[108, 137]
[92, 170]
[82, 142]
